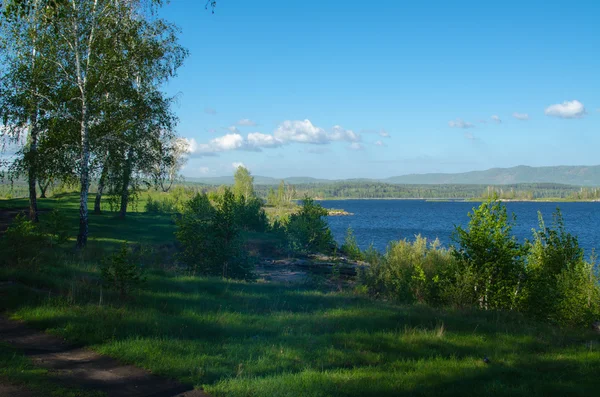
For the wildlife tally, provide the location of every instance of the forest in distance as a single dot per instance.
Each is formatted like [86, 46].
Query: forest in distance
[337, 190]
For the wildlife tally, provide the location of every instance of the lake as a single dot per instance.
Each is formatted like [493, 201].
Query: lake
[382, 221]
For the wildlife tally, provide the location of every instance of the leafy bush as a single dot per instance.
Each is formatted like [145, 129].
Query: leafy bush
[561, 286]
[249, 214]
[350, 246]
[22, 241]
[492, 255]
[308, 231]
[56, 225]
[409, 272]
[164, 206]
[121, 273]
[210, 238]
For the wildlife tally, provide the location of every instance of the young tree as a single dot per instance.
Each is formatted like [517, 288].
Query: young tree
[489, 250]
[308, 231]
[243, 183]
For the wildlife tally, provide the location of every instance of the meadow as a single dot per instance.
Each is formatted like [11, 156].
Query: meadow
[236, 338]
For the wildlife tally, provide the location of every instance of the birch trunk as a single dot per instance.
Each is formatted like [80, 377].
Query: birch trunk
[101, 183]
[126, 180]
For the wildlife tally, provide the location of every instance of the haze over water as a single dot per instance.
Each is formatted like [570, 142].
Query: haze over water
[382, 221]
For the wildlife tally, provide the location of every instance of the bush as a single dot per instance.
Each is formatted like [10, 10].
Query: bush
[307, 230]
[561, 286]
[22, 242]
[164, 206]
[249, 214]
[350, 247]
[491, 256]
[409, 272]
[56, 225]
[210, 238]
[121, 273]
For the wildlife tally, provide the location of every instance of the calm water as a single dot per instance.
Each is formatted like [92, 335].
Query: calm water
[382, 221]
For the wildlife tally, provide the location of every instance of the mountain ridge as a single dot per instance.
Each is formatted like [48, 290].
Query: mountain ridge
[584, 175]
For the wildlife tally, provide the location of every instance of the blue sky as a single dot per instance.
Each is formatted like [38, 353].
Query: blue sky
[349, 89]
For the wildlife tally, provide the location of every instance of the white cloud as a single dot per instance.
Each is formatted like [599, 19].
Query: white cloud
[469, 136]
[459, 123]
[210, 111]
[379, 143]
[258, 140]
[237, 165]
[204, 170]
[356, 146]
[246, 123]
[496, 119]
[566, 110]
[300, 131]
[286, 133]
[227, 142]
[340, 134]
[383, 133]
[520, 116]
[216, 145]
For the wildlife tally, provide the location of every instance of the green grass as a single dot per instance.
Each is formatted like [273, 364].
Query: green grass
[138, 226]
[258, 339]
[16, 369]
[240, 339]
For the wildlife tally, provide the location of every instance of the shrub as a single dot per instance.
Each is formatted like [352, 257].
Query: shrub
[408, 272]
[56, 225]
[308, 231]
[210, 238]
[163, 206]
[492, 254]
[249, 214]
[561, 286]
[121, 273]
[22, 242]
[350, 247]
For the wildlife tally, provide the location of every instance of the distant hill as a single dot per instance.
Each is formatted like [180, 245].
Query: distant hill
[258, 180]
[568, 175]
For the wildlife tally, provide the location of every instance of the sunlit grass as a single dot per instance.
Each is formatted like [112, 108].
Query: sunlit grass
[242, 339]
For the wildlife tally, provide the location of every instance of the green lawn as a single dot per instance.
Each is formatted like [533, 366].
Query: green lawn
[260, 339]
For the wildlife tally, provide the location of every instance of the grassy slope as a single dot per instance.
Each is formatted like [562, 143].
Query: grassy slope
[240, 339]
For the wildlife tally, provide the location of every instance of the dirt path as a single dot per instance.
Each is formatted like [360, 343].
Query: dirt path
[83, 368]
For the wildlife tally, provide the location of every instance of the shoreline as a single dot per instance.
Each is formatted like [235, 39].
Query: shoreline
[467, 200]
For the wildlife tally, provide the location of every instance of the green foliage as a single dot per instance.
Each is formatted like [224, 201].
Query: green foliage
[409, 272]
[57, 226]
[160, 206]
[385, 189]
[561, 286]
[121, 272]
[249, 214]
[243, 183]
[307, 229]
[492, 254]
[350, 246]
[209, 236]
[22, 242]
